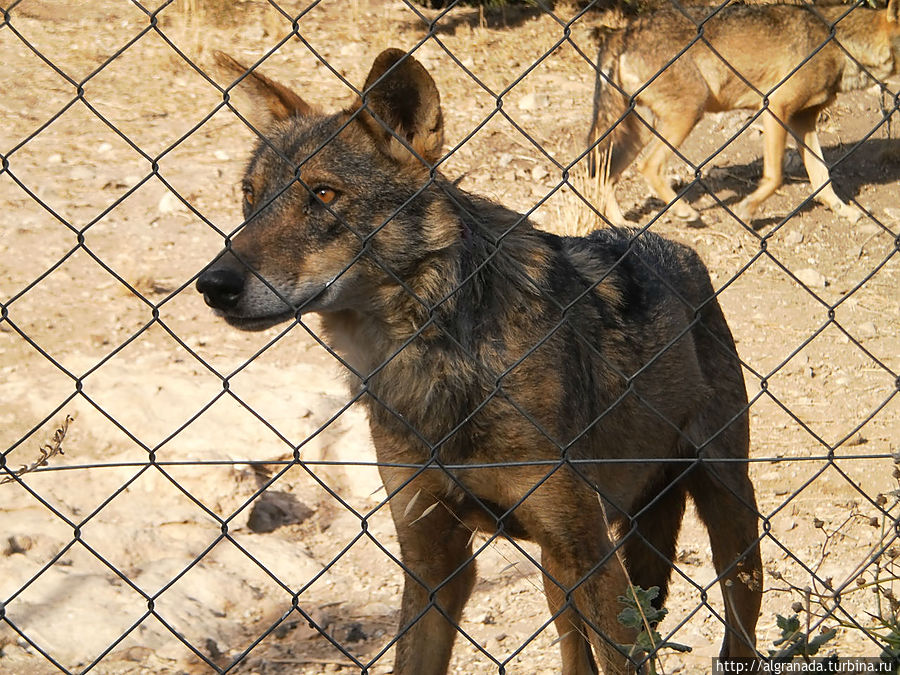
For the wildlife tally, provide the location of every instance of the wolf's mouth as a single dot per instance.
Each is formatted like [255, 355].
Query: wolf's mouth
[256, 323]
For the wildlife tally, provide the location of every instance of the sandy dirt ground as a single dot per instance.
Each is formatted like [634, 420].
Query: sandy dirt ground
[113, 200]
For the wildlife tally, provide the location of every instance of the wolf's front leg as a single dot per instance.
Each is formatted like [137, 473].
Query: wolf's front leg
[438, 578]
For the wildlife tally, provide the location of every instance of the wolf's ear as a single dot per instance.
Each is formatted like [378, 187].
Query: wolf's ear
[893, 11]
[399, 96]
[269, 100]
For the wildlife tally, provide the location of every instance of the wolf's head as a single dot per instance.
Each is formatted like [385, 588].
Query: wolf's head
[336, 206]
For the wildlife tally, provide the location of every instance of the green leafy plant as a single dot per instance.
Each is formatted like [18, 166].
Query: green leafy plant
[804, 633]
[641, 615]
[795, 641]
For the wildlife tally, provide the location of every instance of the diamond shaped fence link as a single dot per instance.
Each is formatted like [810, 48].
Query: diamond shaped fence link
[226, 572]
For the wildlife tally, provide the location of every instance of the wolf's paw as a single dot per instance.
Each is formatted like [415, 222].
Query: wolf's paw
[744, 211]
[849, 213]
[687, 215]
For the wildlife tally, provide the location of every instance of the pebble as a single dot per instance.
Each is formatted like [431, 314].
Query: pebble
[170, 203]
[137, 654]
[867, 330]
[532, 101]
[793, 238]
[18, 543]
[538, 173]
[811, 277]
[486, 618]
[869, 228]
[355, 633]
[82, 173]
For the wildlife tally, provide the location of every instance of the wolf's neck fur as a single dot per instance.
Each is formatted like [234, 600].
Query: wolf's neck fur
[451, 287]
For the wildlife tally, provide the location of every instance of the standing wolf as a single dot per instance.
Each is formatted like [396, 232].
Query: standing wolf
[678, 65]
[516, 382]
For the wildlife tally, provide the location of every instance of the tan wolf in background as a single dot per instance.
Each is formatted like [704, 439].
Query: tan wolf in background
[516, 382]
[746, 52]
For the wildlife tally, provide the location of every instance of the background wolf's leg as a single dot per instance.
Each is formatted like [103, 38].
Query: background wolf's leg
[775, 136]
[803, 124]
[674, 127]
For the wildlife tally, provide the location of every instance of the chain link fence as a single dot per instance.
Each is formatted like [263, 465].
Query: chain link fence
[179, 496]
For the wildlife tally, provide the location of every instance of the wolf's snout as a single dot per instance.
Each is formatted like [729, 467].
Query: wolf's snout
[221, 288]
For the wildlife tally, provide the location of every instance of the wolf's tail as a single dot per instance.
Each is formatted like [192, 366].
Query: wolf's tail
[615, 137]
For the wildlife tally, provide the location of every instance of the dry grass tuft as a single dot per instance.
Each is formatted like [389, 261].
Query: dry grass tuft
[218, 12]
[583, 201]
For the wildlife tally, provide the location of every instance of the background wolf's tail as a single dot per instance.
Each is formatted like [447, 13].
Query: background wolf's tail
[615, 137]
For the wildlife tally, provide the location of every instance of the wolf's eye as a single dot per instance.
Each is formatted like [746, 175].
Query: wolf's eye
[248, 193]
[325, 194]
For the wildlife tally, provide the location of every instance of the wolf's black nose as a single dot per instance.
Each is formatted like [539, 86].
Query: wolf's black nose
[221, 288]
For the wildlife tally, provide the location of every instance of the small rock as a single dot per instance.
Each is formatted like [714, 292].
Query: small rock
[104, 147]
[221, 155]
[351, 49]
[55, 158]
[793, 238]
[137, 654]
[17, 543]
[275, 509]
[284, 629]
[867, 330]
[811, 278]
[169, 204]
[213, 649]
[793, 164]
[538, 173]
[527, 102]
[892, 214]
[82, 173]
[856, 439]
[532, 101]
[355, 633]
[869, 228]
[688, 556]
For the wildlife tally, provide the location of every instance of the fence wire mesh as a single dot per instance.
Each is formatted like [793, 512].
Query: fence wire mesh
[180, 496]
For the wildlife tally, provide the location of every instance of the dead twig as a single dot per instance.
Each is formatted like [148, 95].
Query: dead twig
[48, 450]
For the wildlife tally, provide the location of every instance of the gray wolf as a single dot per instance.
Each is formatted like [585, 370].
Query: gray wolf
[746, 53]
[517, 383]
